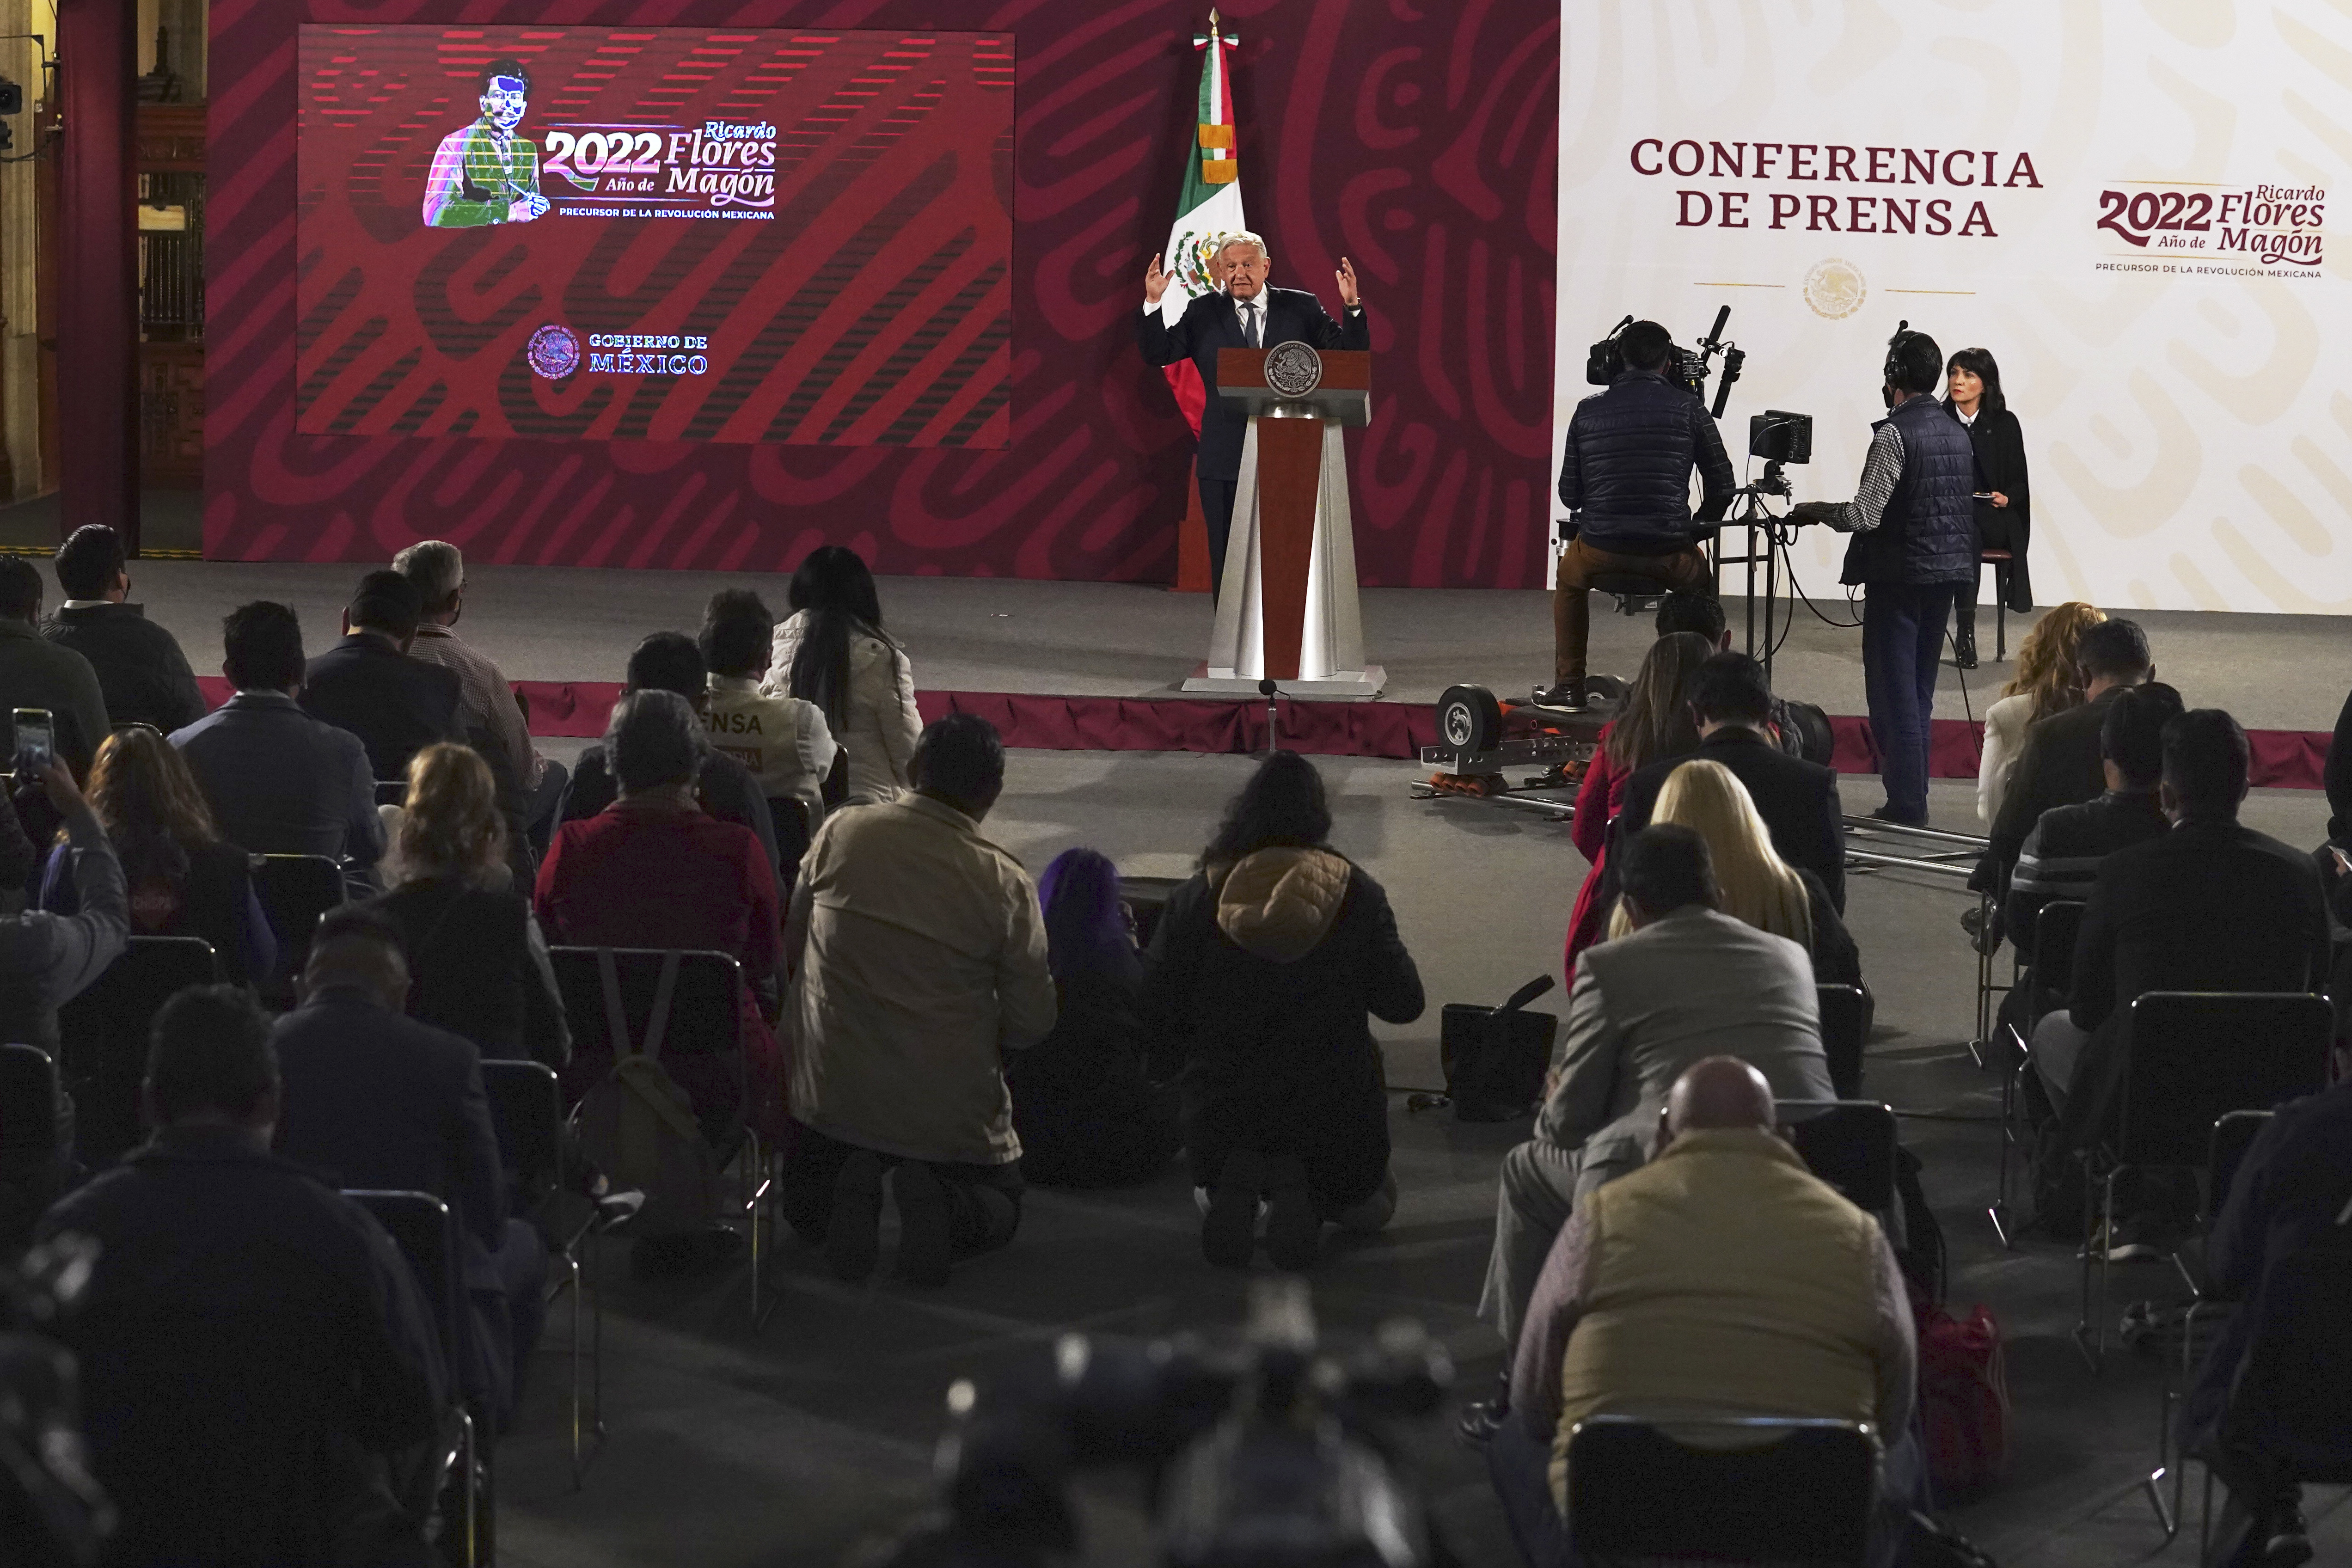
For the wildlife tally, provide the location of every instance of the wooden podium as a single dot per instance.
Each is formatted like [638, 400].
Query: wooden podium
[1286, 610]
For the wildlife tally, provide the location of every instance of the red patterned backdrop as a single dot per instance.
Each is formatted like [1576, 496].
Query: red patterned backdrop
[1418, 138]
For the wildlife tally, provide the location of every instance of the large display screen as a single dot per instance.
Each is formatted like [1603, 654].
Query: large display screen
[655, 234]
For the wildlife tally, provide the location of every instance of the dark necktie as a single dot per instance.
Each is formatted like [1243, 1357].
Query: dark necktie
[1249, 325]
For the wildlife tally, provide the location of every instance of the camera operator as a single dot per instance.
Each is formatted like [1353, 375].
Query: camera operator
[1913, 517]
[1625, 480]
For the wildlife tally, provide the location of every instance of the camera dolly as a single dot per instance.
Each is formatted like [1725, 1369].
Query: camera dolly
[1480, 737]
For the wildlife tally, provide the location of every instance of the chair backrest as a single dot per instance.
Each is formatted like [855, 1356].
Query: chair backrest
[1148, 897]
[704, 1012]
[28, 1100]
[1845, 1013]
[2056, 927]
[1759, 1489]
[2193, 1057]
[2233, 1135]
[391, 792]
[2296, 1382]
[420, 1227]
[295, 891]
[527, 1109]
[102, 1037]
[1849, 1144]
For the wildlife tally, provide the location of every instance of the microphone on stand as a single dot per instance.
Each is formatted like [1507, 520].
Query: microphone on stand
[1267, 690]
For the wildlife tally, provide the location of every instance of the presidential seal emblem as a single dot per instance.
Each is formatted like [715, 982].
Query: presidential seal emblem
[1293, 369]
[1835, 288]
[554, 352]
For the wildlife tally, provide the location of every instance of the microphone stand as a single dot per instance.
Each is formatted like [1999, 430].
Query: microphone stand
[1267, 690]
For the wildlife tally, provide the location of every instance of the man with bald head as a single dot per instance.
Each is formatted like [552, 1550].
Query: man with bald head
[1233, 306]
[1721, 1277]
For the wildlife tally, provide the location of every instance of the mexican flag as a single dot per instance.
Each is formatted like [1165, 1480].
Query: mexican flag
[1209, 209]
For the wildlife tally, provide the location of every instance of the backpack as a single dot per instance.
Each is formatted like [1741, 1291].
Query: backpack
[638, 1126]
[1963, 1397]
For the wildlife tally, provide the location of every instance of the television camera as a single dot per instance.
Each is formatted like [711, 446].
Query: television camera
[1686, 368]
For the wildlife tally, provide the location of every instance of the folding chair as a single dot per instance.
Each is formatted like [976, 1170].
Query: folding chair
[789, 815]
[426, 1235]
[1846, 1023]
[2050, 975]
[1793, 1492]
[32, 1154]
[102, 1039]
[391, 792]
[527, 1109]
[1849, 1144]
[1148, 897]
[2189, 1058]
[2232, 1136]
[674, 1002]
[296, 892]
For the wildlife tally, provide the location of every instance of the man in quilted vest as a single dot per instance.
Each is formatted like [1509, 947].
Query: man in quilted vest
[1913, 519]
[1721, 1278]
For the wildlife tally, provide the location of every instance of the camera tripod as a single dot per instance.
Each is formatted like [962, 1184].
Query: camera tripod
[1749, 511]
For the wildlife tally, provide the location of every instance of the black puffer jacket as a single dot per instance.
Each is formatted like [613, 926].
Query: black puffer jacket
[1626, 470]
[1928, 531]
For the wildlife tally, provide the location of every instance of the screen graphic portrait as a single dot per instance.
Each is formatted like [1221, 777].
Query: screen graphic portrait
[662, 234]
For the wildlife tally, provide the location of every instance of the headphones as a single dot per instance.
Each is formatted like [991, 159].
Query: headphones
[1894, 347]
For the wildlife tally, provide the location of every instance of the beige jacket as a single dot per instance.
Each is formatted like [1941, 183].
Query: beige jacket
[919, 959]
[882, 725]
[783, 741]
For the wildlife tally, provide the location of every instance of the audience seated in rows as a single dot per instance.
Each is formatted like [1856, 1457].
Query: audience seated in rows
[46, 960]
[477, 960]
[2294, 1182]
[35, 672]
[370, 1098]
[652, 871]
[256, 1359]
[1731, 702]
[2336, 777]
[278, 781]
[832, 651]
[2212, 905]
[143, 676]
[369, 685]
[1259, 978]
[723, 787]
[918, 960]
[1721, 1278]
[1653, 724]
[1084, 1104]
[488, 718]
[1689, 982]
[782, 739]
[2048, 680]
[184, 879]
[1792, 726]
[1757, 886]
[2059, 764]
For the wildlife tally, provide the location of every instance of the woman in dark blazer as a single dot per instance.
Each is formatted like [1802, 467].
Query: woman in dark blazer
[2004, 506]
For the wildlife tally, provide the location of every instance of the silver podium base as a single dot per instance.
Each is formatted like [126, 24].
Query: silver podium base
[1357, 686]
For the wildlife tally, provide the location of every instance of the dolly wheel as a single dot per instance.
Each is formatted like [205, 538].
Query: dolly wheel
[1469, 719]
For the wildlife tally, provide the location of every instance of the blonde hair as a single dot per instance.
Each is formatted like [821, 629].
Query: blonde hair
[2046, 659]
[1757, 885]
[449, 825]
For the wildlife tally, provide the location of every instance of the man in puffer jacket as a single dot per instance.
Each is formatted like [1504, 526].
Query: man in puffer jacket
[1260, 973]
[1624, 478]
[1913, 517]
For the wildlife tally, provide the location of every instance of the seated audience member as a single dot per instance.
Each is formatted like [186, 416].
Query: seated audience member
[255, 1354]
[370, 1098]
[832, 651]
[1260, 976]
[669, 661]
[143, 676]
[2337, 778]
[1757, 886]
[782, 739]
[38, 673]
[2059, 763]
[477, 960]
[1084, 1105]
[490, 718]
[2062, 855]
[1722, 1279]
[368, 684]
[1654, 722]
[2294, 1182]
[2210, 906]
[2048, 681]
[1689, 982]
[1797, 799]
[1703, 612]
[46, 960]
[183, 879]
[278, 781]
[918, 960]
[652, 871]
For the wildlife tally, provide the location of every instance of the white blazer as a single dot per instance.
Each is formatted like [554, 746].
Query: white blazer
[882, 724]
[2004, 738]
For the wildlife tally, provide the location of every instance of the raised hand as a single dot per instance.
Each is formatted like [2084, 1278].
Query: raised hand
[1155, 281]
[1347, 277]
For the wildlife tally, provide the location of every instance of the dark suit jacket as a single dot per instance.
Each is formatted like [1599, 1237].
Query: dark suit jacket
[281, 783]
[396, 705]
[1212, 323]
[247, 1336]
[2060, 766]
[1797, 799]
[141, 672]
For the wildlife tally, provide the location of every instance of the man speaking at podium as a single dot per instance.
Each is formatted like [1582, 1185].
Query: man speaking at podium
[1245, 313]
